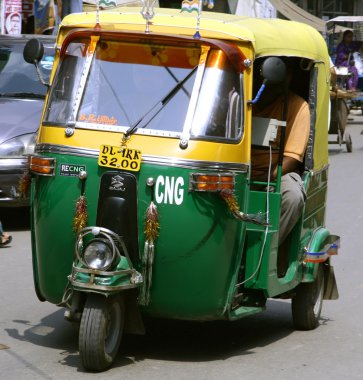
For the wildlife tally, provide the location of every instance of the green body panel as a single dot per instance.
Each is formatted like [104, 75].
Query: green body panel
[313, 217]
[257, 238]
[200, 247]
[316, 189]
[197, 251]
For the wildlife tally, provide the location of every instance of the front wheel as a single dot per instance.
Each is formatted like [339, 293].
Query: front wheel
[307, 303]
[101, 331]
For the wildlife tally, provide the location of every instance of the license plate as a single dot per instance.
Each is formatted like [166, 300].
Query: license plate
[119, 158]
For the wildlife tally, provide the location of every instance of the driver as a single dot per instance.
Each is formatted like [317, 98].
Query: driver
[296, 139]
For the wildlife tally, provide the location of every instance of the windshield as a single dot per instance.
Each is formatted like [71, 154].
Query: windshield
[143, 88]
[17, 77]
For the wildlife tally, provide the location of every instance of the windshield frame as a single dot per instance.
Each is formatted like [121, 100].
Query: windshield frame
[233, 53]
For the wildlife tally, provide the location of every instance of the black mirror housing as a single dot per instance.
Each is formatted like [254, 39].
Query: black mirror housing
[33, 51]
[274, 70]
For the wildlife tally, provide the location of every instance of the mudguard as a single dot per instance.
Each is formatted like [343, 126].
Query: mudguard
[321, 243]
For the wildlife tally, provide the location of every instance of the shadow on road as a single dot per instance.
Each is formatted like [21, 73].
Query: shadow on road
[167, 340]
[208, 341]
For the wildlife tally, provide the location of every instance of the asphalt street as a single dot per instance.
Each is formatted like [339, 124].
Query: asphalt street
[37, 343]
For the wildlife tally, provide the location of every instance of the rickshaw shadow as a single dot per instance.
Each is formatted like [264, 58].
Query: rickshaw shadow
[193, 341]
[169, 340]
[53, 331]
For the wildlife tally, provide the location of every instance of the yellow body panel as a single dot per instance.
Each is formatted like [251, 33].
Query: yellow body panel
[255, 37]
[322, 121]
[150, 146]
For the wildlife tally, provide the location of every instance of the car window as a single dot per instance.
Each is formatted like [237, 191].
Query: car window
[17, 76]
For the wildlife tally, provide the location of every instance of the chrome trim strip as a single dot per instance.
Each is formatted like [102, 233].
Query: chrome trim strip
[141, 131]
[64, 149]
[107, 288]
[84, 76]
[156, 160]
[185, 137]
[196, 164]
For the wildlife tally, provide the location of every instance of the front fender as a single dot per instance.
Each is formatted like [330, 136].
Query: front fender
[321, 241]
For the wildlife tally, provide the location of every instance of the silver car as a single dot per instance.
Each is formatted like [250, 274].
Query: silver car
[21, 102]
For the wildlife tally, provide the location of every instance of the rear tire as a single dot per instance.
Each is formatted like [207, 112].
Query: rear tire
[307, 304]
[101, 331]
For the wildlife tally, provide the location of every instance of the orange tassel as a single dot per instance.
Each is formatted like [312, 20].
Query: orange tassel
[231, 200]
[232, 203]
[151, 223]
[80, 214]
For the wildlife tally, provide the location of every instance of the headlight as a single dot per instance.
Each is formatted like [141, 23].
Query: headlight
[98, 254]
[18, 146]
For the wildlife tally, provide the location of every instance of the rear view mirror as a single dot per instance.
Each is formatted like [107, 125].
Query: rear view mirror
[33, 51]
[273, 70]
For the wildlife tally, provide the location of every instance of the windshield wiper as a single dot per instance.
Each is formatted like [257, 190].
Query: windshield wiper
[28, 95]
[159, 105]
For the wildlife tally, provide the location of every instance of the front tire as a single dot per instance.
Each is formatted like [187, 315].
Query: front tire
[101, 331]
[307, 304]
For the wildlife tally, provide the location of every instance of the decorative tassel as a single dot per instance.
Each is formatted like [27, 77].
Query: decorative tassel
[231, 200]
[24, 184]
[80, 214]
[151, 233]
[152, 222]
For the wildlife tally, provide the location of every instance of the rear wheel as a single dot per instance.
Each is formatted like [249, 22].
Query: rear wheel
[307, 303]
[100, 331]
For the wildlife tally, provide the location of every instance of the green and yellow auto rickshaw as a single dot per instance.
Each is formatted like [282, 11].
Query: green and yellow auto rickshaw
[142, 197]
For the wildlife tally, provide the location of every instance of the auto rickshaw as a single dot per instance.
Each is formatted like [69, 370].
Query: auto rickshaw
[343, 99]
[142, 197]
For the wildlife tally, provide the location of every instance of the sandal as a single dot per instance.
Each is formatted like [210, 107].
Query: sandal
[5, 239]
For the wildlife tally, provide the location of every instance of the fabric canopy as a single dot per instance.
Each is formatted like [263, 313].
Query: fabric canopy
[295, 13]
[342, 19]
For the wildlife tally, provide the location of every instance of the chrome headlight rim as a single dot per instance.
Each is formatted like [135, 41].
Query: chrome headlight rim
[100, 234]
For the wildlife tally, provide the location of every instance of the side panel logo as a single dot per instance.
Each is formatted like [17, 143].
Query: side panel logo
[70, 170]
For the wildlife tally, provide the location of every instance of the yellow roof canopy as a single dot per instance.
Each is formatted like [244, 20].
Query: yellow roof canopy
[268, 36]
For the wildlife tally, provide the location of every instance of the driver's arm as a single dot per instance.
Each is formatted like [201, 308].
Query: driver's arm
[289, 165]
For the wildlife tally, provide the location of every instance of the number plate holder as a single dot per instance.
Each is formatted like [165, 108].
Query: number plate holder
[122, 158]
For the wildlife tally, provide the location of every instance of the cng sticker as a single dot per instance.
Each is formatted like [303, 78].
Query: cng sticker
[71, 170]
[169, 190]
